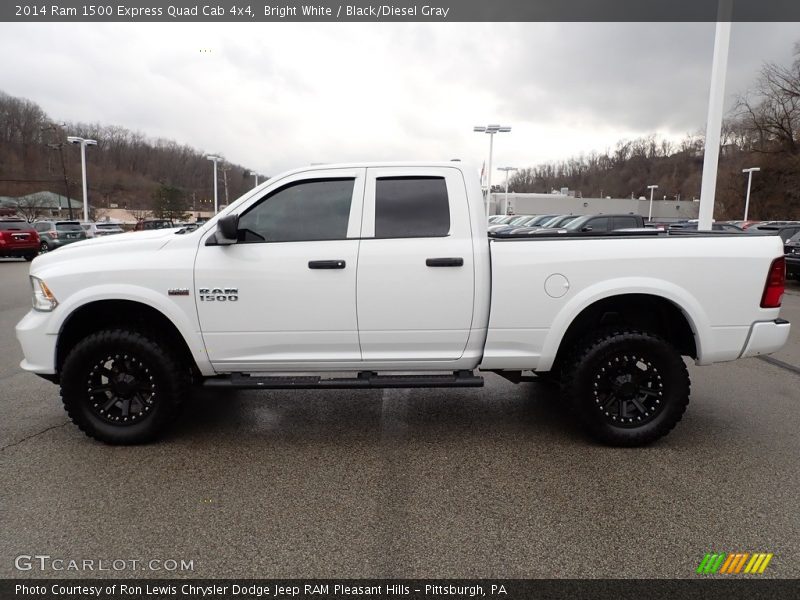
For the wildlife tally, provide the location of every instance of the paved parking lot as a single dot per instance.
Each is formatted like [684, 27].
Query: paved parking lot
[493, 482]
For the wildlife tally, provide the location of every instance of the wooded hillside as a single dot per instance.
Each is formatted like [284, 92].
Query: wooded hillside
[762, 131]
[125, 168]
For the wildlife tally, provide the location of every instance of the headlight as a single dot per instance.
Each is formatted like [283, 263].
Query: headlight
[43, 298]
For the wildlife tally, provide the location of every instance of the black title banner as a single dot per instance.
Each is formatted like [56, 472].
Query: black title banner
[401, 10]
[396, 589]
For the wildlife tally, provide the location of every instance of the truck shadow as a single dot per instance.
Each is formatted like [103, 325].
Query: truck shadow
[366, 415]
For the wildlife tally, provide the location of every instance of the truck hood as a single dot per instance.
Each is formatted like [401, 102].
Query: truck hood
[134, 241]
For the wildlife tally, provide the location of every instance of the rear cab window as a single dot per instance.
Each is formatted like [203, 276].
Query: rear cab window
[68, 226]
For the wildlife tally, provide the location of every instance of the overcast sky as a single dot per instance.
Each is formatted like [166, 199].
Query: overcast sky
[277, 96]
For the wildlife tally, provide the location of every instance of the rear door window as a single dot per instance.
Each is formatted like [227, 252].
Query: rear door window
[624, 222]
[598, 224]
[409, 207]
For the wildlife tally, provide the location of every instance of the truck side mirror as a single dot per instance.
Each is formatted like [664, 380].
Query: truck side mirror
[227, 230]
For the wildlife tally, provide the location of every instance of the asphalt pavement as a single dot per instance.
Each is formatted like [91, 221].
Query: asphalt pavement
[492, 482]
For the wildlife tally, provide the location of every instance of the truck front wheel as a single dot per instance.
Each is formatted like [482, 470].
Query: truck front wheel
[122, 387]
[627, 387]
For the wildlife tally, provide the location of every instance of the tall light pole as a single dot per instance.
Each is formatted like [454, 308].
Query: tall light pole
[491, 130]
[215, 159]
[506, 169]
[749, 181]
[652, 188]
[83, 143]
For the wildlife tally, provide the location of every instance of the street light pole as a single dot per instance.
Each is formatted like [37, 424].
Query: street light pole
[506, 169]
[749, 181]
[491, 130]
[650, 213]
[214, 159]
[83, 143]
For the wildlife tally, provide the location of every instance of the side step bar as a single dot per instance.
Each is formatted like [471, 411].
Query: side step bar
[365, 380]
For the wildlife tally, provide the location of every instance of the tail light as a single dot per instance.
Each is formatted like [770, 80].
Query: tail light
[54, 234]
[776, 284]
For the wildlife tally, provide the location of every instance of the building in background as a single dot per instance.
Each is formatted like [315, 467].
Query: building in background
[568, 204]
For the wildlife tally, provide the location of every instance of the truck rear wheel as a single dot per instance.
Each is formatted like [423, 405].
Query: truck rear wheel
[122, 387]
[627, 387]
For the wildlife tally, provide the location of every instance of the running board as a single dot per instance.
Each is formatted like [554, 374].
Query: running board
[365, 379]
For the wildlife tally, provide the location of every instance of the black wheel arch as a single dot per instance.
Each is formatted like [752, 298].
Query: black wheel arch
[125, 314]
[644, 312]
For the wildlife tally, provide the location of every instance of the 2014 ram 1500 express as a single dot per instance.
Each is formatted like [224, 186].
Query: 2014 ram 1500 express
[386, 272]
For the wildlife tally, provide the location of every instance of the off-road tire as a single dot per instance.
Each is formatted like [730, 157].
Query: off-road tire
[103, 359]
[626, 387]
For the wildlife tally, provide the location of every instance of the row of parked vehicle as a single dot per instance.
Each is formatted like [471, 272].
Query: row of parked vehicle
[788, 231]
[21, 239]
[534, 224]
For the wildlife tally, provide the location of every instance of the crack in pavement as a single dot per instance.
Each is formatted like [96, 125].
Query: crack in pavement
[33, 435]
[780, 364]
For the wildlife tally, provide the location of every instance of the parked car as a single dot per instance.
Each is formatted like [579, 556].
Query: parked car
[517, 220]
[149, 224]
[18, 239]
[599, 223]
[533, 222]
[792, 249]
[784, 231]
[100, 229]
[127, 326]
[54, 234]
[559, 221]
[692, 225]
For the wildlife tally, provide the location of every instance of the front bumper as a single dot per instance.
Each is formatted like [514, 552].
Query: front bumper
[766, 337]
[38, 346]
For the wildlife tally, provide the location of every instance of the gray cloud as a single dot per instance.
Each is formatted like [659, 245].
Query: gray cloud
[274, 96]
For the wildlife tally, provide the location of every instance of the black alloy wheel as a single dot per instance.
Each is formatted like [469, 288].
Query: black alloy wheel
[626, 387]
[123, 387]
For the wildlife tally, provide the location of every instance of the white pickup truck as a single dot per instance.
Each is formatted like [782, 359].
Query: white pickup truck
[382, 275]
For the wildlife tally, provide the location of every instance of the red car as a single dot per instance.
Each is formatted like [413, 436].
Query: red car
[18, 238]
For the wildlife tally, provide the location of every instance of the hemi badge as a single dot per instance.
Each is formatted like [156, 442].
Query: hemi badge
[178, 291]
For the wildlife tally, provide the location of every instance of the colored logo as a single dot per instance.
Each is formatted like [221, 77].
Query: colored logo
[734, 563]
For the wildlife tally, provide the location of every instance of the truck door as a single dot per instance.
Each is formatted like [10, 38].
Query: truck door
[285, 295]
[416, 279]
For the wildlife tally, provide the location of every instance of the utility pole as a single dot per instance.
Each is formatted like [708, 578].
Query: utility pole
[225, 182]
[749, 172]
[55, 128]
[650, 213]
[60, 148]
[490, 130]
[83, 142]
[506, 169]
[215, 160]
